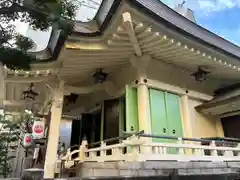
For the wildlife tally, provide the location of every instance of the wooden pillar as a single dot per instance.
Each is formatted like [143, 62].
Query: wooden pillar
[144, 122]
[219, 128]
[53, 136]
[143, 106]
[186, 119]
[2, 86]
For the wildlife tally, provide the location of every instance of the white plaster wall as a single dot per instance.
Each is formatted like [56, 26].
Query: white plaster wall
[180, 77]
[202, 126]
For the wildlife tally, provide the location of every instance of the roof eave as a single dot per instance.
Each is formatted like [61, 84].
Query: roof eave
[162, 14]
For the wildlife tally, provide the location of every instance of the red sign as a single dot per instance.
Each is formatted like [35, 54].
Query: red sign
[38, 129]
[27, 140]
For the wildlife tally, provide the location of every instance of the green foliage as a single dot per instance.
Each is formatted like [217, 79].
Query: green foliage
[39, 14]
[15, 58]
[11, 130]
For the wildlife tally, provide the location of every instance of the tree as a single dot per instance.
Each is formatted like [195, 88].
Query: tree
[11, 132]
[39, 14]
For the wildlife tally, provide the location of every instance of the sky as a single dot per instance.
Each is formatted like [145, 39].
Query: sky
[219, 16]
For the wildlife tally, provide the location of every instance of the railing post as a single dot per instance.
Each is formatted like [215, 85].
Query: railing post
[92, 154]
[228, 153]
[156, 150]
[135, 153]
[198, 152]
[213, 151]
[180, 150]
[164, 150]
[238, 152]
[117, 151]
[82, 150]
[103, 152]
[69, 157]
[135, 143]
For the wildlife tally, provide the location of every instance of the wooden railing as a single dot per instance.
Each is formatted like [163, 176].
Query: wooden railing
[141, 148]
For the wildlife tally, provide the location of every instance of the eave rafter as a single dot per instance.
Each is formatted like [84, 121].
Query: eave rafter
[164, 47]
[34, 76]
[128, 25]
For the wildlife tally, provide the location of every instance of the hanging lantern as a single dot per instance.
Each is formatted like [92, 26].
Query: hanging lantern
[30, 94]
[27, 140]
[38, 129]
[100, 76]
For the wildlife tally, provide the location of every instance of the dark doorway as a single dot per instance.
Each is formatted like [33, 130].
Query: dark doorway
[75, 135]
[111, 120]
[96, 127]
[88, 127]
[91, 127]
[231, 126]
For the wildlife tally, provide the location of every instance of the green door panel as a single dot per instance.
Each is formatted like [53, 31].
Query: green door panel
[173, 114]
[158, 114]
[131, 109]
[173, 117]
[165, 116]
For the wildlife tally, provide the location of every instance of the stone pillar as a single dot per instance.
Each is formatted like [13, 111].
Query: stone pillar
[53, 137]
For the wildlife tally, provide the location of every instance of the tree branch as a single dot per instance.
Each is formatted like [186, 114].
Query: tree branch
[14, 8]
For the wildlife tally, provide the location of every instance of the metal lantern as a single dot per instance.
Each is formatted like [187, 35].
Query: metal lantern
[100, 76]
[30, 94]
[27, 140]
[200, 75]
[38, 129]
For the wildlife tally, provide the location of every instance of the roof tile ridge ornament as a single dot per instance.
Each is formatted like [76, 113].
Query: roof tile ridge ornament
[185, 11]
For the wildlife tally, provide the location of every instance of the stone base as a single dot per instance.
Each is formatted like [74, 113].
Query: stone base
[152, 170]
[156, 169]
[32, 174]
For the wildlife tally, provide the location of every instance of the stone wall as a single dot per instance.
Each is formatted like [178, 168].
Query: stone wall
[154, 168]
[167, 170]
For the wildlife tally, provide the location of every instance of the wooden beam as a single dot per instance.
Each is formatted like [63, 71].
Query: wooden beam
[20, 79]
[214, 104]
[83, 90]
[128, 25]
[19, 103]
[230, 114]
[178, 90]
[45, 66]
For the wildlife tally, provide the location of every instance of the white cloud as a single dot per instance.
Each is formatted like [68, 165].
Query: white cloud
[209, 6]
[205, 7]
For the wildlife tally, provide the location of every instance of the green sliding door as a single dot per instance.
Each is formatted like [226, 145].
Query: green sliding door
[173, 115]
[165, 115]
[131, 109]
[158, 114]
